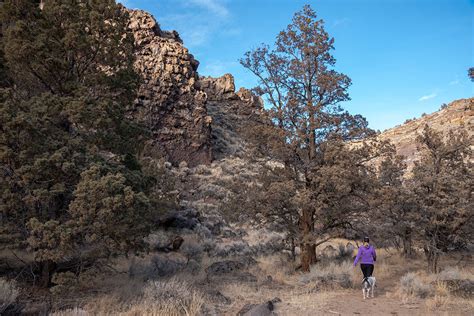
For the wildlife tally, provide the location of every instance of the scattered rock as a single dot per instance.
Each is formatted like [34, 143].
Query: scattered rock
[180, 219]
[223, 267]
[259, 309]
[217, 297]
[176, 243]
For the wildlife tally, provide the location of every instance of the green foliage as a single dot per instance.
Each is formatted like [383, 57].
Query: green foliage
[61, 48]
[107, 213]
[71, 184]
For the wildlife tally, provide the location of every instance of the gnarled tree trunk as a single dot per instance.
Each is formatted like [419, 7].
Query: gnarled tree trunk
[407, 243]
[308, 248]
[47, 268]
[432, 258]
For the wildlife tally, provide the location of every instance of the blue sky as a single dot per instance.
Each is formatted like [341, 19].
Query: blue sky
[405, 57]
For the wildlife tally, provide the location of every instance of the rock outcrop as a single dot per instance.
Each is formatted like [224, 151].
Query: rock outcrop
[192, 118]
[169, 100]
[218, 89]
[230, 112]
[455, 116]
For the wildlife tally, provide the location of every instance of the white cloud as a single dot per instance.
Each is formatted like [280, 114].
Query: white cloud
[215, 6]
[454, 82]
[199, 21]
[427, 97]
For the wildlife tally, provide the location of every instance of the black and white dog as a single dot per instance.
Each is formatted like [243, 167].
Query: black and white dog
[368, 286]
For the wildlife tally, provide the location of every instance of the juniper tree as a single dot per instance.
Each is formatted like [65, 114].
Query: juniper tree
[395, 210]
[70, 182]
[303, 90]
[442, 183]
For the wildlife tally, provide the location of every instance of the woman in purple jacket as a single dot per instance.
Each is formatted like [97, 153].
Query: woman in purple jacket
[367, 257]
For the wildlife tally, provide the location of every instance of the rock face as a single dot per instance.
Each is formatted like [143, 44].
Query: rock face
[192, 118]
[457, 115]
[230, 111]
[169, 100]
[218, 89]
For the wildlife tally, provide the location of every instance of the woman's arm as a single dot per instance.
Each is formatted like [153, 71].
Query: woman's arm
[374, 254]
[359, 252]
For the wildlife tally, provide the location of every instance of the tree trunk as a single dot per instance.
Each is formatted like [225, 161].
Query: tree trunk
[432, 258]
[293, 247]
[46, 269]
[308, 249]
[312, 131]
[407, 244]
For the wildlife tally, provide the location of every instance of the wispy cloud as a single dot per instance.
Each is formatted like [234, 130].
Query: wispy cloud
[428, 97]
[215, 6]
[218, 68]
[340, 22]
[199, 21]
[454, 82]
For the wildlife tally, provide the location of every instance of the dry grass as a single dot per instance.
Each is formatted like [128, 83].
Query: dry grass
[312, 301]
[8, 294]
[278, 267]
[332, 275]
[158, 298]
[172, 297]
[437, 302]
[71, 312]
[412, 285]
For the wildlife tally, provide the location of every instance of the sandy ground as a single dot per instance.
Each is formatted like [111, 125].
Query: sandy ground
[299, 300]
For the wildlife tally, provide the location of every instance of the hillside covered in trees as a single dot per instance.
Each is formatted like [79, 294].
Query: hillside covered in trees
[130, 184]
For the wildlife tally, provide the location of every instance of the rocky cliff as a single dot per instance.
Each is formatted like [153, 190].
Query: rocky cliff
[169, 100]
[192, 118]
[457, 115]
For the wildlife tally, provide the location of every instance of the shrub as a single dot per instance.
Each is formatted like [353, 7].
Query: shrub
[171, 297]
[450, 273]
[162, 266]
[159, 240]
[412, 285]
[344, 253]
[76, 311]
[192, 250]
[437, 302]
[8, 294]
[330, 274]
[64, 282]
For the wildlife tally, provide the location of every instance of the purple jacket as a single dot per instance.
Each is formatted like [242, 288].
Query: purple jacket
[366, 255]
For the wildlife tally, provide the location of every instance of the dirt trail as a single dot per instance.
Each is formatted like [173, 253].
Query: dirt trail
[351, 302]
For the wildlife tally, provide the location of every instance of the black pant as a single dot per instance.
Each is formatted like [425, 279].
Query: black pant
[367, 269]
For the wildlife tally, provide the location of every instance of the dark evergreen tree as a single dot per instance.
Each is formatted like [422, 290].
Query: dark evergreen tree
[70, 182]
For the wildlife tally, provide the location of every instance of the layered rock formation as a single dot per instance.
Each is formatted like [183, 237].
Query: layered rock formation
[192, 118]
[456, 116]
[169, 100]
[230, 112]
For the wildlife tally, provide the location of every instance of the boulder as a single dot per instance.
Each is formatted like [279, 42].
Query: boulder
[263, 309]
[223, 267]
